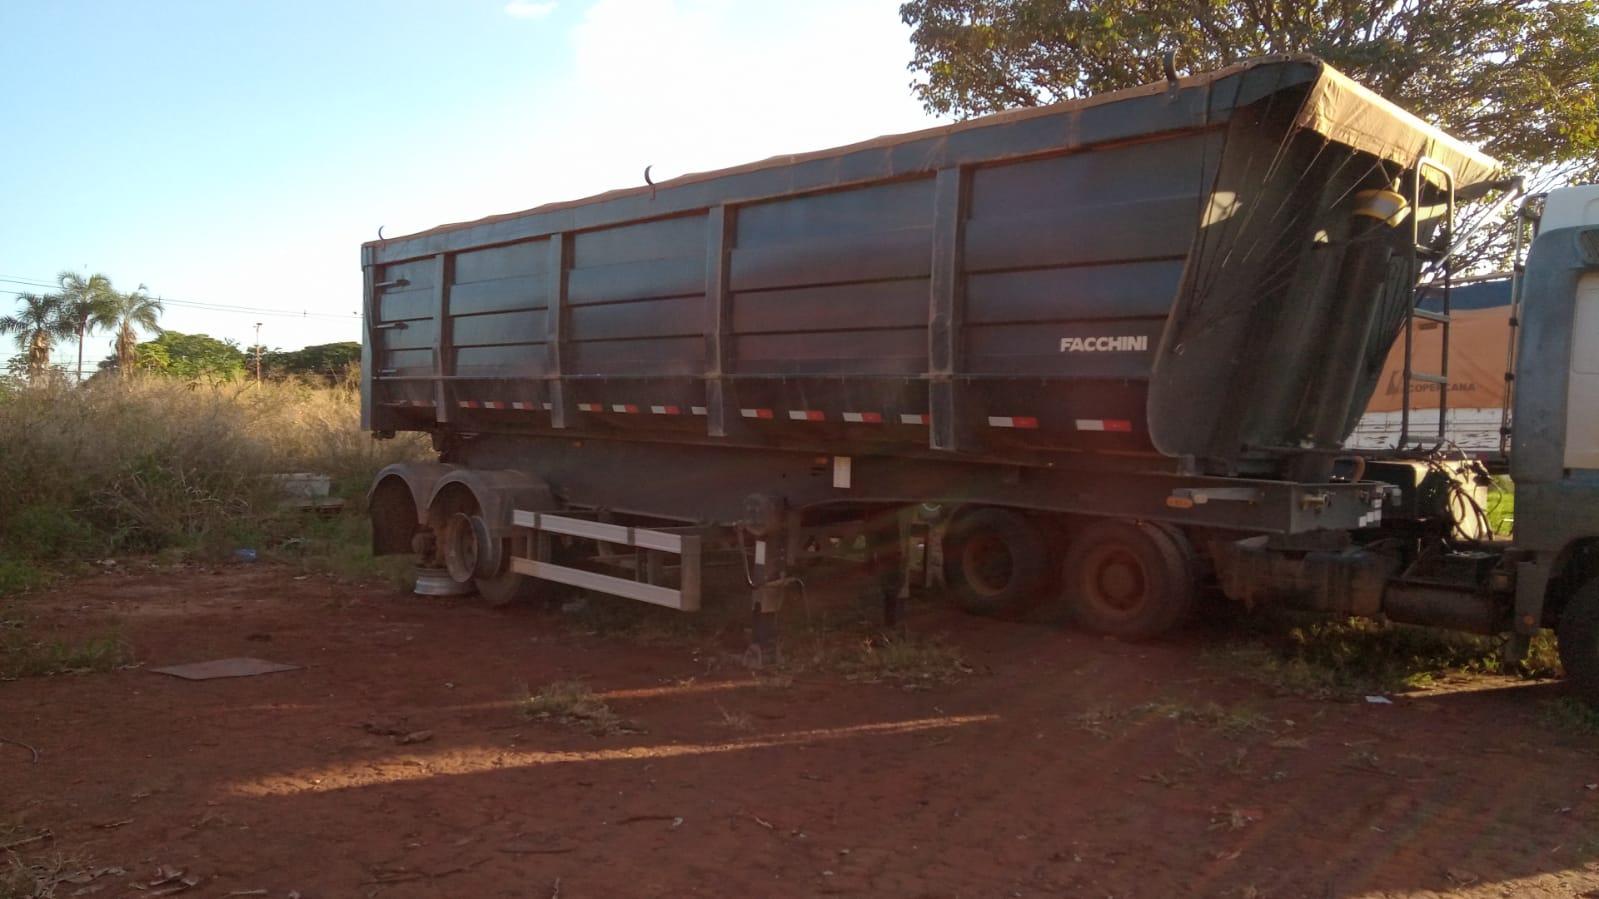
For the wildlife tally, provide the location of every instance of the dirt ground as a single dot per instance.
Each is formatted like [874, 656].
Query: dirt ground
[1061, 765]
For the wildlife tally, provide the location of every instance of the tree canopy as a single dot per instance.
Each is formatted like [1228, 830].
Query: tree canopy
[37, 324]
[326, 361]
[86, 302]
[126, 314]
[1520, 78]
[191, 356]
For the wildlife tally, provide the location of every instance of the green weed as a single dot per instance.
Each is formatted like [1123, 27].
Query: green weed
[46, 532]
[1324, 658]
[20, 576]
[24, 656]
[340, 545]
[1571, 715]
[1502, 504]
[1543, 657]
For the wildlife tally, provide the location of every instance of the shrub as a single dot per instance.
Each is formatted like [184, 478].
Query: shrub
[153, 463]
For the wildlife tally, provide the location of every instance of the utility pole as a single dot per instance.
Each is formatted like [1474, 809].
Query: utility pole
[258, 352]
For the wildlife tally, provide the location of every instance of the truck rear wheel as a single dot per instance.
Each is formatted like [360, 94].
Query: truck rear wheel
[1578, 635]
[996, 562]
[1132, 580]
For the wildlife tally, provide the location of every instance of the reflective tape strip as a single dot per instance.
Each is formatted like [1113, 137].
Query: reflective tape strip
[414, 403]
[546, 407]
[867, 418]
[588, 407]
[521, 407]
[806, 415]
[913, 419]
[467, 404]
[627, 408]
[1012, 421]
[755, 413]
[697, 410]
[1120, 425]
[665, 410]
[493, 404]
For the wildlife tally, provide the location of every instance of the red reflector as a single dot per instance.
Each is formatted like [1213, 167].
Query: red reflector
[1113, 424]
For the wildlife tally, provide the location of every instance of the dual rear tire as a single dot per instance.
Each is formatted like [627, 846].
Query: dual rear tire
[1578, 636]
[1127, 579]
[997, 562]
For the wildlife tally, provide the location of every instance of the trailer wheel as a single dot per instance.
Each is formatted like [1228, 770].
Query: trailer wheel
[472, 554]
[1132, 580]
[1578, 636]
[506, 588]
[996, 562]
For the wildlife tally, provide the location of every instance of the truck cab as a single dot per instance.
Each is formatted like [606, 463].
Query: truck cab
[1554, 456]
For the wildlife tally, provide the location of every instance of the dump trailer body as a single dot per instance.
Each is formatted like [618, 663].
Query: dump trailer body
[1110, 349]
[1181, 270]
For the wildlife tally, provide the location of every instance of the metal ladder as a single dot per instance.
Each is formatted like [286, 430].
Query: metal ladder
[1524, 220]
[1442, 319]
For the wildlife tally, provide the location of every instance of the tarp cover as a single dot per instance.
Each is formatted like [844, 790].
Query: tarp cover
[1352, 115]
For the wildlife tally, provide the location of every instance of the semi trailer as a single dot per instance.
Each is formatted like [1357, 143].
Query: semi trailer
[1110, 348]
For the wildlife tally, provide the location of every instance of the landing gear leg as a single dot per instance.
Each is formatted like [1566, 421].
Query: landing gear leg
[770, 526]
[887, 534]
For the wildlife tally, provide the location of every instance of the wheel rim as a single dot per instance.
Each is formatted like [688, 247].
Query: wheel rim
[460, 548]
[987, 564]
[1114, 579]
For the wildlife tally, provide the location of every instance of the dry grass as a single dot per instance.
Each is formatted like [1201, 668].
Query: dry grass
[737, 722]
[41, 876]
[154, 463]
[1233, 721]
[573, 703]
[905, 658]
[28, 871]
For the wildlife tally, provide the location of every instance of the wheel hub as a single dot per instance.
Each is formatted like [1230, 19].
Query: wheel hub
[469, 550]
[988, 565]
[1119, 580]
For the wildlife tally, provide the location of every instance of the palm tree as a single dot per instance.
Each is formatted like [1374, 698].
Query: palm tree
[125, 314]
[37, 323]
[85, 301]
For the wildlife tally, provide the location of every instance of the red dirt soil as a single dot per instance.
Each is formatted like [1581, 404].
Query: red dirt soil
[1063, 765]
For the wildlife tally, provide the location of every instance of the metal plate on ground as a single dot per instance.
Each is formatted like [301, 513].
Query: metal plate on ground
[237, 667]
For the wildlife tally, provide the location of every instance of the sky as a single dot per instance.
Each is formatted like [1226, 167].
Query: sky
[232, 156]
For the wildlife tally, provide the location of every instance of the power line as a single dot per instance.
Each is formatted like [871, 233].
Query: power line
[203, 306]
